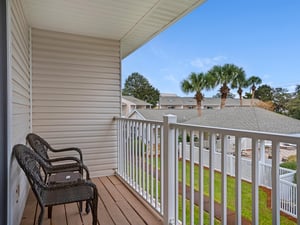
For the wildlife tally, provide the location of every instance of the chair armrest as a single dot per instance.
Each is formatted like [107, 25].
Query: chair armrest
[68, 149]
[60, 159]
[69, 167]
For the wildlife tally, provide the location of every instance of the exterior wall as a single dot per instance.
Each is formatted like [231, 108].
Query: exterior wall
[20, 96]
[76, 94]
[3, 114]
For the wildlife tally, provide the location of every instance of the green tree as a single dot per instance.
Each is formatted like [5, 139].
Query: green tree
[281, 97]
[224, 76]
[253, 81]
[196, 83]
[293, 106]
[229, 95]
[240, 82]
[297, 89]
[264, 93]
[138, 86]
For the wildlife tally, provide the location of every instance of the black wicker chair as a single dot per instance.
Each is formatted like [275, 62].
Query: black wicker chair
[42, 147]
[48, 194]
[58, 164]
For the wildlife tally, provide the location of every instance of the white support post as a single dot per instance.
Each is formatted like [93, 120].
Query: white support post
[169, 170]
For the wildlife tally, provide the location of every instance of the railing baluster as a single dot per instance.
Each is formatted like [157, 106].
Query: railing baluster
[201, 194]
[238, 183]
[156, 167]
[275, 183]
[184, 146]
[162, 166]
[192, 179]
[255, 219]
[224, 178]
[131, 160]
[143, 164]
[140, 156]
[151, 162]
[176, 177]
[136, 154]
[147, 161]
[212, 178]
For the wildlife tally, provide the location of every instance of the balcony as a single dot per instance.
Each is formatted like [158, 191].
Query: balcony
[153, 182]
[151, 160]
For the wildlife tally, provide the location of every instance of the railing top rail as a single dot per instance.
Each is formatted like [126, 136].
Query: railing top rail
[139, 120]
[288, 138]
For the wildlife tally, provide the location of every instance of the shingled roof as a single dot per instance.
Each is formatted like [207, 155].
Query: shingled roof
[244, 118]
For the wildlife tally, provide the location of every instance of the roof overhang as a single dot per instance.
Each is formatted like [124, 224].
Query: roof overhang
[132, 22]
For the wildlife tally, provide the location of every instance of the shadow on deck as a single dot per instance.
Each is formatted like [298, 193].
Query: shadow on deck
[117, 205]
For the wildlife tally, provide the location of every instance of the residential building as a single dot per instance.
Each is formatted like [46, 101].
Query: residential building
[130, 103]
[170, 101]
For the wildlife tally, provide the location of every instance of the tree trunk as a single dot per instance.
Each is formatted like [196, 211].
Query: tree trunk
[240, 92]
[224, 91]
[199, 98]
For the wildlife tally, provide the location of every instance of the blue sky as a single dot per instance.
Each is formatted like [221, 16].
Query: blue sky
[261, 36]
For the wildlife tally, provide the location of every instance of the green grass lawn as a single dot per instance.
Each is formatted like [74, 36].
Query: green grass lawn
[265, 213]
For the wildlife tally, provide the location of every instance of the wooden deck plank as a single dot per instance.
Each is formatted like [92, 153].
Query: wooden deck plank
[130, 213]
[115, 180]
[73, 215]
[126, 210]
[87, 219]
[33, 210]
[103, 216]
[111, 189]
[115, 213]
[58, 215]
[144, 212]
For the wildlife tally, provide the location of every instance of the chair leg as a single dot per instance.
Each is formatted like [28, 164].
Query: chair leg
[87, 207]
[94, 206]
[41, 216]
[80, 206]
[49, 212]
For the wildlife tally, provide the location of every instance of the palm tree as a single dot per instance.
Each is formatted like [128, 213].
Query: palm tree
[224, 75]
[196, 83]
[252, 81]
[240, 82]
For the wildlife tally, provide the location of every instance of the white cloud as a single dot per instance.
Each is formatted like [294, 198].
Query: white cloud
[207, 63]
[171, 78]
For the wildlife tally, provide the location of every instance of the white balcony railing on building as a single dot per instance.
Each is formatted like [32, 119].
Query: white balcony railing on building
[150, 161]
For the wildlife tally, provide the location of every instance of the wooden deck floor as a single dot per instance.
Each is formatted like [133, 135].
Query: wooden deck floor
[117, 205]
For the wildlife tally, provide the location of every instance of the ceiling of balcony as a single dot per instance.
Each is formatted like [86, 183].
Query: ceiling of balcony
[133, 22]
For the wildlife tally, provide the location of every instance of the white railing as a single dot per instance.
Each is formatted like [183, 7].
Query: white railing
[264, 172]
[149, 161]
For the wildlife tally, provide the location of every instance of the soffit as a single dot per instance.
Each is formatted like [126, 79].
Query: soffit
[132, 22]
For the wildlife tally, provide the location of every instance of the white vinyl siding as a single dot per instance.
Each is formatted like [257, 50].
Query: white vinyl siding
[76, 94]
[20, 87]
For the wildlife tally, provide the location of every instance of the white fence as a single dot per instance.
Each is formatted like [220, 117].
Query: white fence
[145, 146]
[287, 187]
